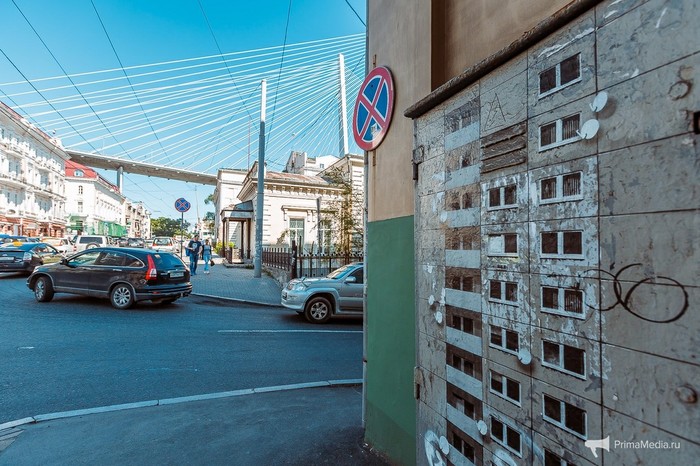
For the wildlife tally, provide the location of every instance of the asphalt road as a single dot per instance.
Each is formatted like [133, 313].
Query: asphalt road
[78, 352]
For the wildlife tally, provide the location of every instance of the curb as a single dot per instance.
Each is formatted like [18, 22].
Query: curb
[236, 300]
[171, 401]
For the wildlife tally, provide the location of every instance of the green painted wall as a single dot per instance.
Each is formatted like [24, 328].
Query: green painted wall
[390, 414]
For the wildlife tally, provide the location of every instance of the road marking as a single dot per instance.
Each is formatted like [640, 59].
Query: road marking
[26, 347]
[290, 331]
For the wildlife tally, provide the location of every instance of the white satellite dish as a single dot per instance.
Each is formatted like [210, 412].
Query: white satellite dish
[589, 129]
[438, 317]
[524, 356]
[599, 101]
[444, 445]
[483, 428]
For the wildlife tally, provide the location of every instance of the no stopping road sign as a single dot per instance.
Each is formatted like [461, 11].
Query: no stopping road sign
[373, 109]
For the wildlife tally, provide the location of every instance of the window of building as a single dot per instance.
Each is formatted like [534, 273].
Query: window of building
[562, 244]
[560, 132]
[506, 436]
[564, 415]
[78, 172]
[80, 189]
[463, 361]
[462, 401]
[505, 387]
[565, 301]
[464, 320]
[552, 459]
[560, 188]
[460, 443]
[460, 279]
[461, 364]
[564, 358]
[80, 207]
[503, 292]
[503, 244]
[504, 339]
[560, 75]
[326, 235]
[296, 231]
[505, 197]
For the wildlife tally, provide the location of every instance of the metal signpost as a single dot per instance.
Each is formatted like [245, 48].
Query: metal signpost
[182, 206]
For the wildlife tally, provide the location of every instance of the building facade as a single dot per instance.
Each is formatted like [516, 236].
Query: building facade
[32, 192]
[95, 206]
[137, 219]
[556, 204]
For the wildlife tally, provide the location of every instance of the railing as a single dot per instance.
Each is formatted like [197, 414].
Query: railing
[305, 265]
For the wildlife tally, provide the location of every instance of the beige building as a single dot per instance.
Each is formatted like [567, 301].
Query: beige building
[32, 192]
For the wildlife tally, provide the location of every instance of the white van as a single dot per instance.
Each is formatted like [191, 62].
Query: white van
[163, 243]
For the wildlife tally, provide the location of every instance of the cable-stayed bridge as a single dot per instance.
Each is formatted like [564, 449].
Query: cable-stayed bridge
[184, 119]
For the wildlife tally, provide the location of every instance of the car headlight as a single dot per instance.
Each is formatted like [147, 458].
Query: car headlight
[299, 286]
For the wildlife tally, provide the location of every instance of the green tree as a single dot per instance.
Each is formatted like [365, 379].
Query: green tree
[342, 219]
[164, 226]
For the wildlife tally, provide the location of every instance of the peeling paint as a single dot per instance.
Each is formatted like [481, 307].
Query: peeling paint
[549, 51]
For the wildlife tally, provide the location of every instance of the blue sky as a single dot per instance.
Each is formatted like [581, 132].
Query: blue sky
[155, 31]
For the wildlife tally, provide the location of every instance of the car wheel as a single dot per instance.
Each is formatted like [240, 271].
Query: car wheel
[91, 245]
[318, 310]
[122, 296]
[43, 290]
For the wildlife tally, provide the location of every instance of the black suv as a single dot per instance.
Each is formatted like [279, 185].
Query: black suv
[123, 275]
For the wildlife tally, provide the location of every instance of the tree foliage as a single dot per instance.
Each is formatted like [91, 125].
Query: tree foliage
[164, 226]
[341, 219]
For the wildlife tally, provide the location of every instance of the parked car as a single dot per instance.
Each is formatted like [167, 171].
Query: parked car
[84, 242]
[337, 294]
[15, 239]
[27, 256]
[163, 243]
[123, 275]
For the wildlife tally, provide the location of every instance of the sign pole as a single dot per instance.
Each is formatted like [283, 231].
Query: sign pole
[182, 223]
[257, 261]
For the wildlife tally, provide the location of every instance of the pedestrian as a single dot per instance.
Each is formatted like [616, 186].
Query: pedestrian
[195, 250]
[206, 255]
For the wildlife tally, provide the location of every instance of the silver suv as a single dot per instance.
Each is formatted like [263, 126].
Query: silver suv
[84, 242]
[337, 294]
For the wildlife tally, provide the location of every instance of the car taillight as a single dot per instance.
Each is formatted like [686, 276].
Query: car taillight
[152, 273]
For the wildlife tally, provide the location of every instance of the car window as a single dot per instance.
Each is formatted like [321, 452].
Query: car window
[41, 249]
[132, 261]
[162, 241]
[359, 276]
[51, 249]
[111, 258]
[90, 239]
[87, 258]
[337, 273]
[164, 260]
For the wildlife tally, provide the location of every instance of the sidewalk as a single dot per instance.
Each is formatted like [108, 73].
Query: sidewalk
[236, 283]
[307, 426]
[304, 424]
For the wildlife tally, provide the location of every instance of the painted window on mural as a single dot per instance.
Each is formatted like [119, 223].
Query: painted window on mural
[504, 339]
[560, 132]
[564, 415]
[504, 387]
[506, 436]
[461, 401]
[503, 292]
[564, 358]
[562, 244]
[561, 75]
[565, 301]
[560, 188]
[505, 197]
[459, 442]
[552, 459]
[505, 244]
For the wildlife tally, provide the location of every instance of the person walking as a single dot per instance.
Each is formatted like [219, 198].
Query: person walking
[206, 255]
[195, 250]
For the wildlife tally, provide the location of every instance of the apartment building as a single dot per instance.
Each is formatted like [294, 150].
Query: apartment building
[554, 214]
[32, 192]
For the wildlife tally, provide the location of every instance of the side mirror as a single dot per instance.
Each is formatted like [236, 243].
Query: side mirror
[350, 280]
[64, 261]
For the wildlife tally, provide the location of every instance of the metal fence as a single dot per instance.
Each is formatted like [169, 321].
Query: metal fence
[305, 265]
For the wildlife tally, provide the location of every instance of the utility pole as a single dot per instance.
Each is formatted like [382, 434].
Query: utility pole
[257, 262]
[343, 127]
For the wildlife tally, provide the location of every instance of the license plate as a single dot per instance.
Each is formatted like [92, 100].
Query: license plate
[7, 259]
[177, 274]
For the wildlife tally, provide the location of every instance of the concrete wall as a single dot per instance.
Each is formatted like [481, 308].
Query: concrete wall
[499, 285]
